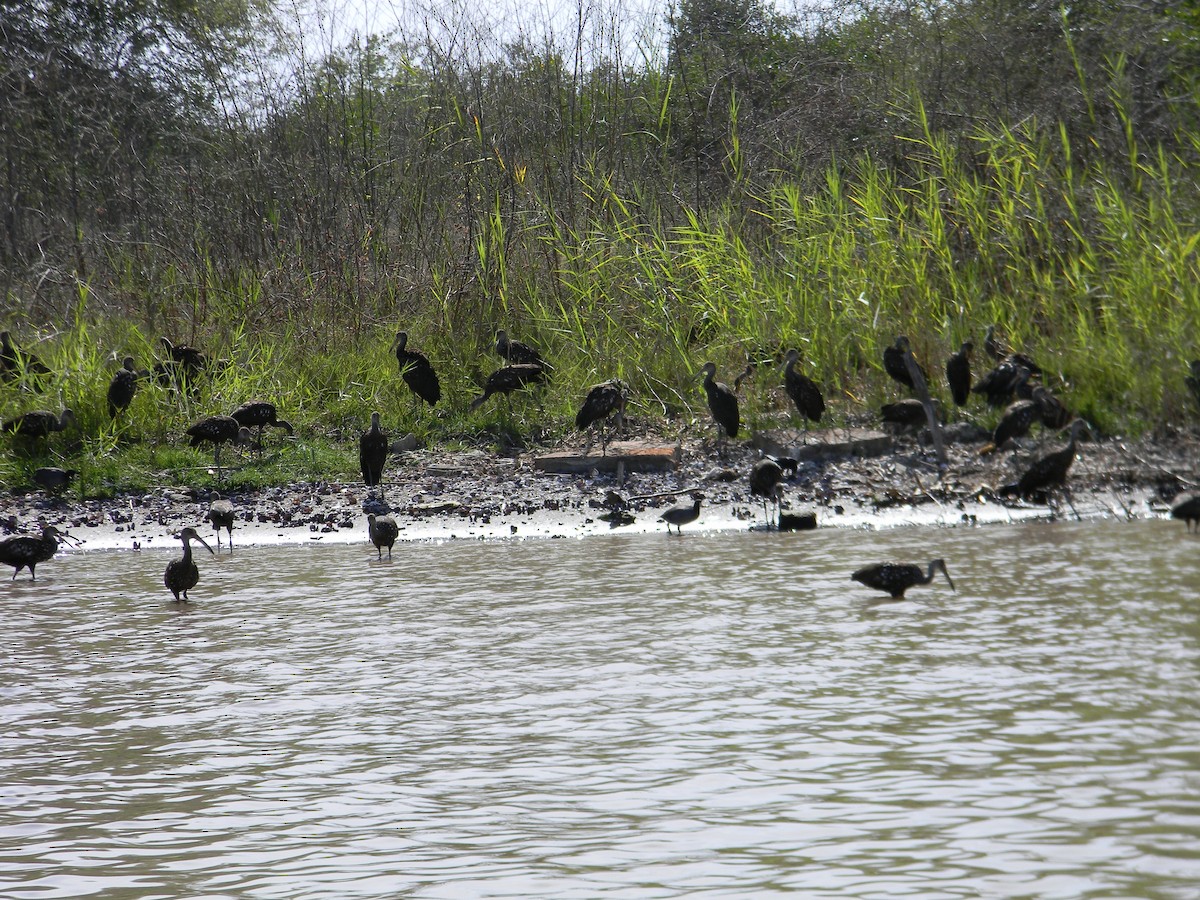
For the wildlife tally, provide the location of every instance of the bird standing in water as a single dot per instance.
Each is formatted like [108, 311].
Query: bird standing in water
[221, 514]
[896, 578]
[182, 574]
[681, 515]
[372, 452]
[1188, 509]
[383, 532]
[26, 552]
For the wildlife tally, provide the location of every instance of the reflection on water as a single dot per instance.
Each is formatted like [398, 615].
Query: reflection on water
[629, 716]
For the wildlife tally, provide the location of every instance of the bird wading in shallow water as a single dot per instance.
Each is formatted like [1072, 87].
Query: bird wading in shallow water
[803, 391]
[1188, 509]
[766, 481]
[896, 578]
[681, 515]
[221, 514]
[26, 552]
[181, 574]
[372, 452]
[383, 532]
[417, 371]
[602, 401]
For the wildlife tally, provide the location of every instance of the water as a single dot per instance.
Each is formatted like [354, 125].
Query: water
[720, 714]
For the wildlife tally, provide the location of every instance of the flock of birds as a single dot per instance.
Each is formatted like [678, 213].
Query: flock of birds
[1010, 383]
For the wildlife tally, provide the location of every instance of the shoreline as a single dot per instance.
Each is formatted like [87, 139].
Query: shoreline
[438, 496]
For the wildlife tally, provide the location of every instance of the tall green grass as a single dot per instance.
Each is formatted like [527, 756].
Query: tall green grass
[1091, 270]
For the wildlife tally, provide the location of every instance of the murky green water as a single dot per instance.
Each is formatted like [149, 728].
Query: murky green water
[621, 716]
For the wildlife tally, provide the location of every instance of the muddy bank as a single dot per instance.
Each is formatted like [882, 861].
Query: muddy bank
[436, 495]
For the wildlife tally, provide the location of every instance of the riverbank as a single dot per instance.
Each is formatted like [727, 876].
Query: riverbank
[443, 496]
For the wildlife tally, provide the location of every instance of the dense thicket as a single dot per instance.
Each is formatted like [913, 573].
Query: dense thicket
[196, 169]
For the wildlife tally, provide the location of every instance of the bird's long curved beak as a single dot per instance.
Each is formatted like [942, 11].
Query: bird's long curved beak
[210, 549]
[948, 580]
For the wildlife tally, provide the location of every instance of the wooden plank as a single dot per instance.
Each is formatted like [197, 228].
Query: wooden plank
[829, 442]
[637, 456]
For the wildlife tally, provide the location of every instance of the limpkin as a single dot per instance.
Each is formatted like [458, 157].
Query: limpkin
[517, 353]
[218, 430]
[221, 513]
[722, 402]
[896, 578]
[509, 379]
[893, 362]
[383, 531]
[1016, 420]
[1000, 353]
[123, 387]
[1188, 509]
[39, 423]
[802, 390]
[766, 481]
[1048, 472]
[181, 574]
[681, 515]
[1000, 384]
[602, 401]
[53, 479]
[26, 552]
[16, 363]
[182, 365]
[372, 452]
[259, 414]
[1052, 411]
[958, 374]
[417, 371]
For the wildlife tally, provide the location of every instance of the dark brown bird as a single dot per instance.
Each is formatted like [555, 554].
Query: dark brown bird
[680, 516]
[123, 387]
[802, 390]
[260, 414]
[766, 481]
[1000, 353]
[1048, 472]
[516, 352]
[896, 578]
[181, 574]
[182, 365]
[39, 423]
[509, 379]
[54, 479]
[1016, 420]
[417, 371]
[893, 362]
[905, 415]
[372, 452]
[1002, 383]
[26, 552]
[221, 513]
[1188, 509]
[722, 402]
[218, 430]
[1052, 411]
[958, 374]
[383, 531]
[602, 401]
[16, 363]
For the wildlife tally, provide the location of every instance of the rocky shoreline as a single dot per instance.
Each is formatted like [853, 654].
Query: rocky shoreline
[436, 495]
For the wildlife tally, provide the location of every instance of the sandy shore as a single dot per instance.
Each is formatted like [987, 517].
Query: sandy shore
[440, 496]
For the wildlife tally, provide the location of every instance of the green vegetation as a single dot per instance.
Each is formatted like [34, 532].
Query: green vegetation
[770, 183]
